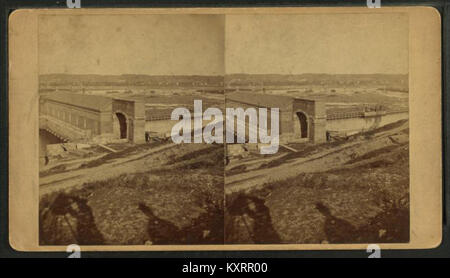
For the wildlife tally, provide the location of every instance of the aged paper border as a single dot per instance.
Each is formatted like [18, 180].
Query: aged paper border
[425, 127]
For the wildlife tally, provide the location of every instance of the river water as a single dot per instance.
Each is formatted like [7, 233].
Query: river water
[352, 125]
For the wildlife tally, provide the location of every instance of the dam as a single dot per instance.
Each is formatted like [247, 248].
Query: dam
[352, 125]
[84, 118]
[311, 120]
[100, 119]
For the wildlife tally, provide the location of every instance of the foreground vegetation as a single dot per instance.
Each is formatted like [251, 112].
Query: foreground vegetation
[180, 202]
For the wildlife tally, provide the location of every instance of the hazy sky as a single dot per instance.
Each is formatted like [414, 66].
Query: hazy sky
[135, 44]
[195, 44]
[339, 43]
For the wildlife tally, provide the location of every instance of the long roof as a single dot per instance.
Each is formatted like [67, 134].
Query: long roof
[92, 102]
[261, 100]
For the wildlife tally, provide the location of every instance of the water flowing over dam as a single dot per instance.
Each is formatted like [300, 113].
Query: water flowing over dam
[353, 125]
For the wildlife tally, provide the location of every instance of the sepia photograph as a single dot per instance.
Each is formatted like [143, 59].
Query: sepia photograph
[341, 171]
[109, 172]
[225, 129]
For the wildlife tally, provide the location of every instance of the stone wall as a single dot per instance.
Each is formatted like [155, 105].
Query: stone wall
[134, 112]
[81, 118]
[316, 114]
[76, 122]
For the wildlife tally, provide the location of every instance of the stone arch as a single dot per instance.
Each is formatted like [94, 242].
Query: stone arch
[303, 121]
[302, 125]
[121, 125]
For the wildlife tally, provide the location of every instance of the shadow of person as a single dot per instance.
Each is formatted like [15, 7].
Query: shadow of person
[336, 230]
[159, 230]
[261, 230]
[78, 216]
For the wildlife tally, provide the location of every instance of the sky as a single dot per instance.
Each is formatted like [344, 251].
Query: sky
[216, 44]
[131, 44]
[317, 43]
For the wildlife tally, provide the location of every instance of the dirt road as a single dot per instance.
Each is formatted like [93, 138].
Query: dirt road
[128, 164]
[322, 160]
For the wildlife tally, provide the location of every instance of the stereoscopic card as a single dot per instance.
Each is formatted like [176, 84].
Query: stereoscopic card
[225, 129]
